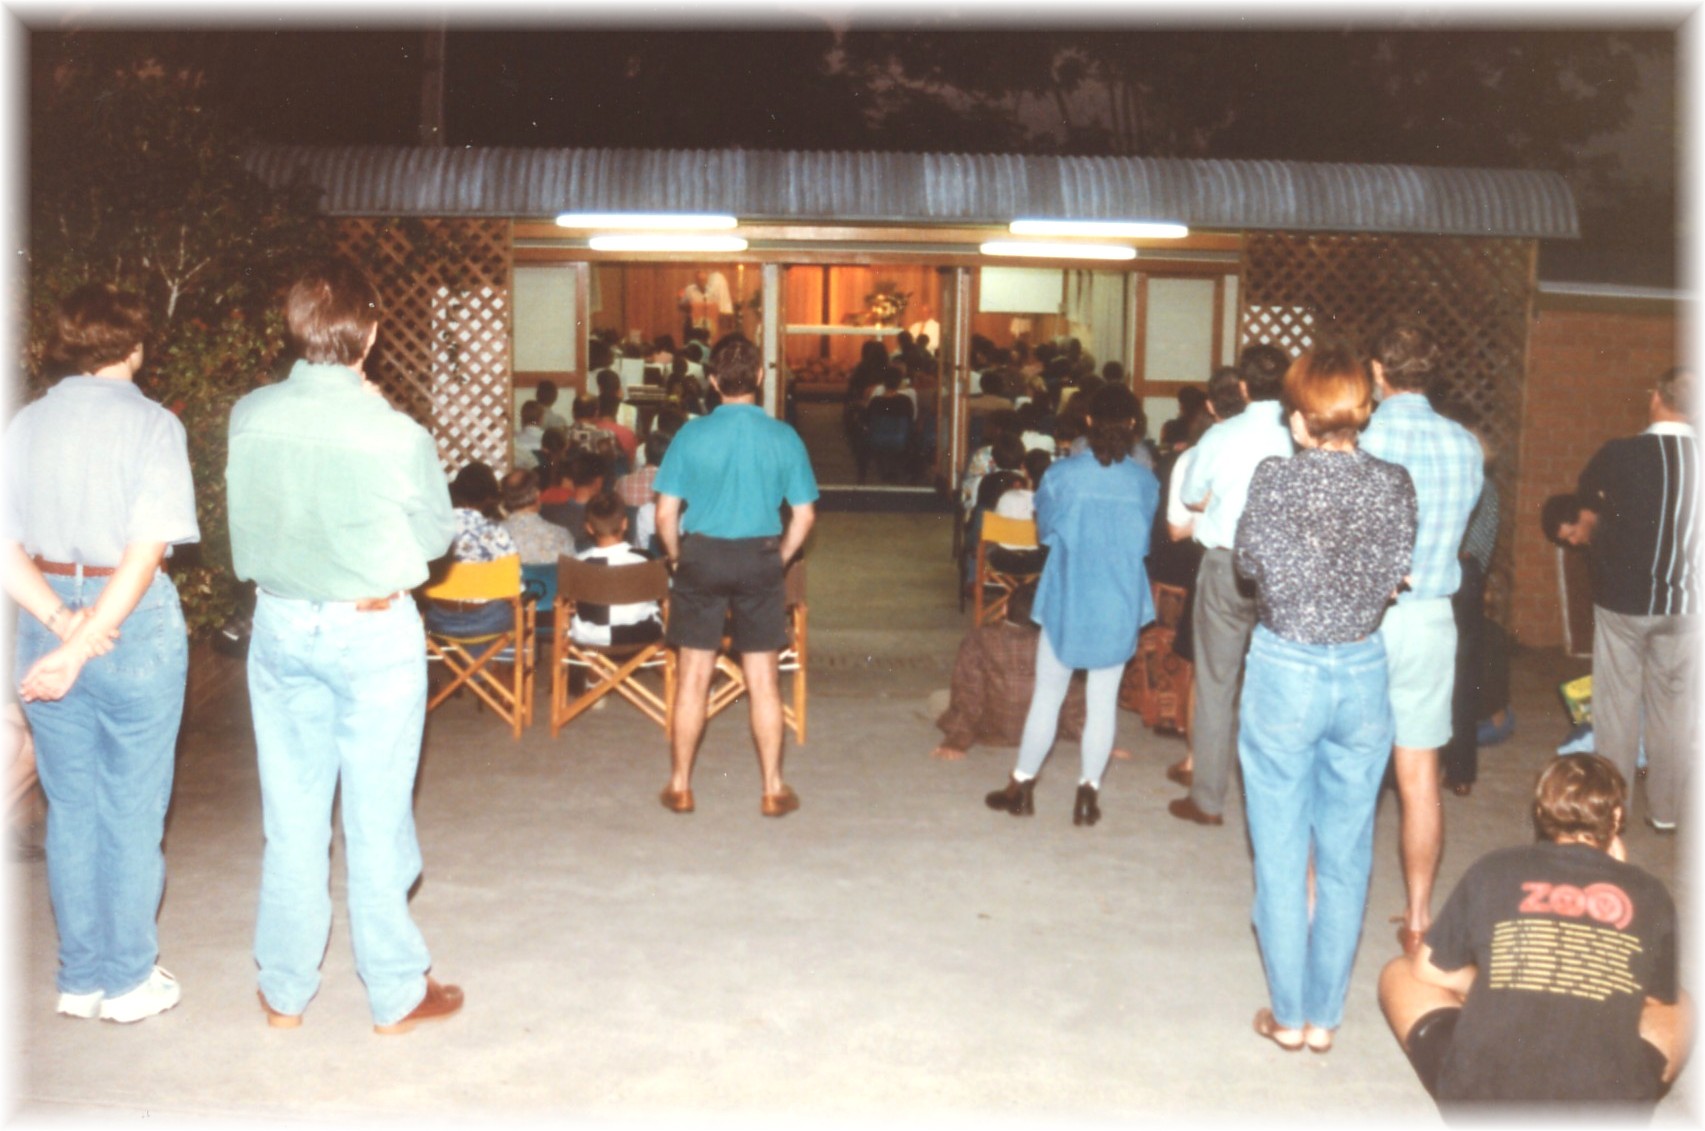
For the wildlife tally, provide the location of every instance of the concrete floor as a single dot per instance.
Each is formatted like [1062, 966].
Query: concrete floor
[893, 950]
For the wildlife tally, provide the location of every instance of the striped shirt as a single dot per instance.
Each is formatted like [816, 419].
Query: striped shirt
[1481, 537]
[1445, 463]
[1645, 548]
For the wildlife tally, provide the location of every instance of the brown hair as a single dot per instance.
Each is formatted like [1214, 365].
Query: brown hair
[737, 365]
[606, 514]
[329, 312]
[1118, 417]
[1330, 387]
[1579, 795]
[97, 325]
[1408, 355]
[609, 393]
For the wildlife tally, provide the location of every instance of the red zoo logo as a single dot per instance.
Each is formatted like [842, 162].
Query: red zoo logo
[1605, 903]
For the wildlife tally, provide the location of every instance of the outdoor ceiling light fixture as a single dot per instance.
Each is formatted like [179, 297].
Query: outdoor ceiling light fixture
[1103, 229]
[666, 241]
[1040, 250]
[648, 221]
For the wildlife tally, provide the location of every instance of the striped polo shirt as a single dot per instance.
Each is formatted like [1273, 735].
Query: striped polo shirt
[1645, 549]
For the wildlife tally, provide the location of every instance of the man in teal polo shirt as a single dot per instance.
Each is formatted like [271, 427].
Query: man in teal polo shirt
[719, 497]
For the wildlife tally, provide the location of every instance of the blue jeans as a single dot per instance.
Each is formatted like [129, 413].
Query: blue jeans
[485, 619]
[338, 694]
[1313, 740]
[105, 756]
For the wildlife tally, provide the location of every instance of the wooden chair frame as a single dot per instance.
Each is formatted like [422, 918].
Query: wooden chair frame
[728, 681]
[609, 668]
[1011, 532]
[471, 660]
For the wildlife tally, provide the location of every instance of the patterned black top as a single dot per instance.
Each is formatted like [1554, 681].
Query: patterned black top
[1326, 537]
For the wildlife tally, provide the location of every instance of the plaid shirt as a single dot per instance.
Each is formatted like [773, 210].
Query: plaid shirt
[1445, 463]
[635, 487]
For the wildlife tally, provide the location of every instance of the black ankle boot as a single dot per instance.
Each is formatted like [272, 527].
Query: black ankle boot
[1015, 798]
[1086, 811]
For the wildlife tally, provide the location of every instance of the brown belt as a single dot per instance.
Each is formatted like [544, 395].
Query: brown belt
[69, 569]
[363, 605]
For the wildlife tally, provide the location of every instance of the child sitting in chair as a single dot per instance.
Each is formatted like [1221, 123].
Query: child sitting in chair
[607, 625]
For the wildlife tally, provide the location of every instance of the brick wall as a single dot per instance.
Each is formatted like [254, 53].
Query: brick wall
[1591, 364]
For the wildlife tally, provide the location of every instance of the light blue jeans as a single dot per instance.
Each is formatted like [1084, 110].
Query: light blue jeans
[1314, 737]
[338, 694]
[104, 754]
[1101, 702]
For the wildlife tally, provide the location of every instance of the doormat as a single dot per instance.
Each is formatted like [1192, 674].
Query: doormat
[881, 500]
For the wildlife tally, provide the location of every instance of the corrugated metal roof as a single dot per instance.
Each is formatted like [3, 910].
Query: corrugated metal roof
[927, 188]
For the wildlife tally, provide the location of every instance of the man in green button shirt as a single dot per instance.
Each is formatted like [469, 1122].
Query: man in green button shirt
[719, 496]
[337, 504]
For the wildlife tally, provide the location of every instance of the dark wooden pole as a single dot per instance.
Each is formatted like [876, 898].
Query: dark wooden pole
[432, 88]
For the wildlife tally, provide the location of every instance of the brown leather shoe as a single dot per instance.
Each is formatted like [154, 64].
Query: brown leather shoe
[440, 1002]
[1410, 941]
[1185, 810]
[276, 1019]
[779, 804]
[677, 801]
[1181, 773]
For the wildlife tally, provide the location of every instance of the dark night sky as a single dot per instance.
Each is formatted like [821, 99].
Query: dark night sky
[798, 86]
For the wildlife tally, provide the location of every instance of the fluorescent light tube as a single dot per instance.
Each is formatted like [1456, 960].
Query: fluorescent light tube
[666, 241]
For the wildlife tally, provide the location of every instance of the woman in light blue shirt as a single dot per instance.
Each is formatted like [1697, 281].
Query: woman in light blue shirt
[97, 489]
[1094, 511]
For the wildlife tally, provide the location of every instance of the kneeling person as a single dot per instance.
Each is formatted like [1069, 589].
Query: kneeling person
[1550, 975]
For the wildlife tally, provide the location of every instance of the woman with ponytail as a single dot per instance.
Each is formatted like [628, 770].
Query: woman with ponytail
[1094, 512]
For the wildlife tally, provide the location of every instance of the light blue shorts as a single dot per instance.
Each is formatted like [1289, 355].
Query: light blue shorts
[1420, 651]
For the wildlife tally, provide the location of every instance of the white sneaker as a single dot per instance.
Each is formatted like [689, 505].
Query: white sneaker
[158, 994]
[86, 1006]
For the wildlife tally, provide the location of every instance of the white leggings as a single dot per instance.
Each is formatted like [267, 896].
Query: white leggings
[1102, 702]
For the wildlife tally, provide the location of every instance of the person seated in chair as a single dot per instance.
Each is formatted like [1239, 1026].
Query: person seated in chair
[888, 423]
[1006, 471]
[1550, 975]
[539, 541]
[586, 475]
[613, 625]
[474, 498]
[982, 460]
[530, 437]
[1019, 502]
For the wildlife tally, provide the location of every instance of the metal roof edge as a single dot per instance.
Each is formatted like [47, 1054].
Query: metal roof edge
[873, 186]
[1616, 290]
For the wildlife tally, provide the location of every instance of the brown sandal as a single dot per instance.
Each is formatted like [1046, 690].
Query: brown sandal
[1317, 1039]
[1266, 1025]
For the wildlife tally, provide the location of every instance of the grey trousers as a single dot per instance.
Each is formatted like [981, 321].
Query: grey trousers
[1224, 620]
[1648, 665]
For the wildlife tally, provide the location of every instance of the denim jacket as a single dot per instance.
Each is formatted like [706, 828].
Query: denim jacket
[1094, 594]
